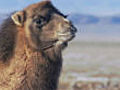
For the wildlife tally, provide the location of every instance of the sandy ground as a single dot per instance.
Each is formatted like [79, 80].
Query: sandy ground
[91, 65]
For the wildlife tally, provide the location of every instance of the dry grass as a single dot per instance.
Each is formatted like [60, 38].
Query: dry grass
[95, 86]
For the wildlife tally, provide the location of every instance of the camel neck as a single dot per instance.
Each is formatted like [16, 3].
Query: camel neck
[33, 70]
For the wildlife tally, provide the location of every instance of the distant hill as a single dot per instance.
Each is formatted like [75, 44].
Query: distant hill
[91, 19]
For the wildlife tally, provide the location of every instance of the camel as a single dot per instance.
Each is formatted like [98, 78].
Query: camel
[31, 45]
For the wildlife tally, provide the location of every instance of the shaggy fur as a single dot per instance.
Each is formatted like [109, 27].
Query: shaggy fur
[24, 64]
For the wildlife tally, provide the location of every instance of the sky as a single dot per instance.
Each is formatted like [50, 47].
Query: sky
[93, 7]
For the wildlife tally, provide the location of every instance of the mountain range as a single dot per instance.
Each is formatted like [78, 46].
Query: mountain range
[91, 19]
[96, 26]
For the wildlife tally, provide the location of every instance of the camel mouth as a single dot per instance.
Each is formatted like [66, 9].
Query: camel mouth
[68, 35]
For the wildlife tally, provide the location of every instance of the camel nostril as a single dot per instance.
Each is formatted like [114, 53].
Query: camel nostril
[65, 16]
[73, 29]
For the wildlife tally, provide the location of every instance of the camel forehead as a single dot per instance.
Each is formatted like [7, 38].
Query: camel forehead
[41, 7]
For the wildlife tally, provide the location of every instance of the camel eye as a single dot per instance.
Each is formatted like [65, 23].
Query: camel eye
[38, 21]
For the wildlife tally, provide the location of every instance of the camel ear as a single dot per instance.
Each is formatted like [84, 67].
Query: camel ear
[18, 18]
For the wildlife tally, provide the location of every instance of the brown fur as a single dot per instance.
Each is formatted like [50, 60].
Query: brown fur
[24, 64]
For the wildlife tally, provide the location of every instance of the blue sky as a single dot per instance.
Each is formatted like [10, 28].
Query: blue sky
[95, 7]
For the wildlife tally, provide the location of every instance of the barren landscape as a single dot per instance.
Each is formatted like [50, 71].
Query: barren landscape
[91, 65]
